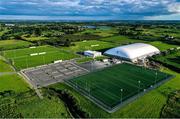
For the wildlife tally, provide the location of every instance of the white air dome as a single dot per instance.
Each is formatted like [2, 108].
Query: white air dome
[133, 51]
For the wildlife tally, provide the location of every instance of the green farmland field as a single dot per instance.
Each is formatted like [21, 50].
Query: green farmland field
[162, 46]
[29, 105]
[37, 108]
[21, 58]
[100, 32]
[106, 85]
[171, 59]
[13, 44]
[157, 32]
[3, 31]
[120, 40]
[125, 40]
[36, 38]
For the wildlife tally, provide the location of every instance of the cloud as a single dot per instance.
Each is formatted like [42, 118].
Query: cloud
[174, 8]
[27, 17]
[164, 17]
[113, 8]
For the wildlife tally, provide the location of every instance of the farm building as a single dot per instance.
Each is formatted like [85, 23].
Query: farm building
[92, 53]
[133, 52]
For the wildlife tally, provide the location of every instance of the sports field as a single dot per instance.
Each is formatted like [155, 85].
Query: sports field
[30, 57]
[111, 86]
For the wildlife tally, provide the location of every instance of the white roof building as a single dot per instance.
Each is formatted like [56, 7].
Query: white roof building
[133, 52]
[9, 24]
[92, 53]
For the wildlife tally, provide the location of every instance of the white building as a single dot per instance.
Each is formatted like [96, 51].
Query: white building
[133, 52]
[92, 53]
[9, 24]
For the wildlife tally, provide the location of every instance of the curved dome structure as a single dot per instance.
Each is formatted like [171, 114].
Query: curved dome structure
[133, 52]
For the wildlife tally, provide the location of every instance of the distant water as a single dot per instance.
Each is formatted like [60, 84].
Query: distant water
[90, 26]
[99, 27]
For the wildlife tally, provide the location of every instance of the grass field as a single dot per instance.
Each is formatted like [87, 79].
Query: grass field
[13, 44]
[21, 57]
[12, 82]
[46, 108]
[120, 40]
[106, 85]
[36, 38]
[4, 67]
[157, 32]
[89, 45]
[84, 59]
[29, 105]
[171, 59]
[102, 32]
[162, 46]
[125, 40]
[3, 31]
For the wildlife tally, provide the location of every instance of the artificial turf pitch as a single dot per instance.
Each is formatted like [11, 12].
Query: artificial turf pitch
[111, 86]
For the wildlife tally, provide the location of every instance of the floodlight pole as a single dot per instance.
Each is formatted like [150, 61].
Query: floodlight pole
[121, 94]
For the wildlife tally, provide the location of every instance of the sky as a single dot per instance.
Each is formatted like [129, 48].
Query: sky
[90, 9]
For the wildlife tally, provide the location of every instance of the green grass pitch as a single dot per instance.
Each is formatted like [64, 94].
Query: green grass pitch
[22, 59]
[118, 83]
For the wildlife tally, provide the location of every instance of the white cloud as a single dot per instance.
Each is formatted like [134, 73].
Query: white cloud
[141, 8]
[25, 17]
[164, 17]
[174, 8]
[63, 3]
